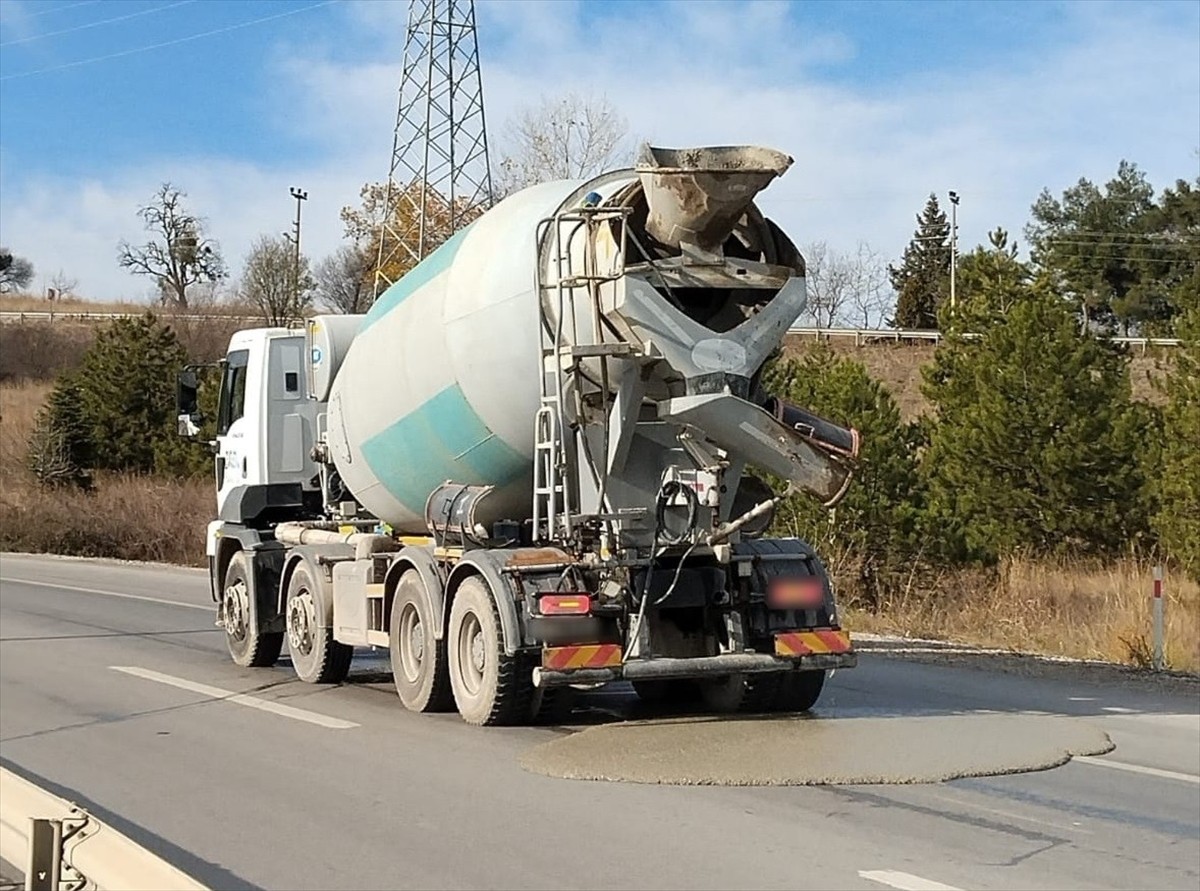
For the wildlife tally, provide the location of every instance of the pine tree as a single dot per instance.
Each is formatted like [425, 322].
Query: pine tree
[922, 279]
[872, 532]
[991, 280]
[1178, 519]
[1033, 444]
[60, 448]
[127, 379]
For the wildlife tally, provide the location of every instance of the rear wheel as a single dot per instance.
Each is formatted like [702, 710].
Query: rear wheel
[741, 692]
[490, 687]
[664, 692]
[249, 647]
[798, 691]
[316, 657]
[418, 659]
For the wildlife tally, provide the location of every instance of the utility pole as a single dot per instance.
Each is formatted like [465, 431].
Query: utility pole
[953, 246]
[439, 179]
[300, 196]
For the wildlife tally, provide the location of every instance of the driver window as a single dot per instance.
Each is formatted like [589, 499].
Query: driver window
[233, 390]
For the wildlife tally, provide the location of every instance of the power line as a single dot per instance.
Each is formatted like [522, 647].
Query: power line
[1157, 245]
[166, 43]
[34, 15]
[119, 18]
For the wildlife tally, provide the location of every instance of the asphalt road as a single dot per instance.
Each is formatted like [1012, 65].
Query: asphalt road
[294, 786]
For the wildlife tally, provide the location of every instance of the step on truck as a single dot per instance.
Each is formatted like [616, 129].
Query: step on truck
[543, 459]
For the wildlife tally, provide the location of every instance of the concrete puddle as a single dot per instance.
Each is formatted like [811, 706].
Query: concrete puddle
[801, 751]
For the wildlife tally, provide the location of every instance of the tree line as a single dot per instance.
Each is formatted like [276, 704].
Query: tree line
[1034, 446]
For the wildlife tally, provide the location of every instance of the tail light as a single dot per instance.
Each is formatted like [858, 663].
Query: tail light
[574, 604]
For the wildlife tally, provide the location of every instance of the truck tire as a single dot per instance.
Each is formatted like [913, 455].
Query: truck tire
[419, 667]
[249, 647]
[490, 687]
[674, 692]
[316, 657]
[753, 693]
[798, 691]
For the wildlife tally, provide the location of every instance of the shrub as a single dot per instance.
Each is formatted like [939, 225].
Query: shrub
[1033, 443]
[1177, 520]
[118, 411]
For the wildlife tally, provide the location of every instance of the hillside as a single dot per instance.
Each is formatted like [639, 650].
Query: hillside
[897, 365]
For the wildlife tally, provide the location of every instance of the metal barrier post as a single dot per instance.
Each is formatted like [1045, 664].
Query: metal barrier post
[1158, 619]
[43, 868]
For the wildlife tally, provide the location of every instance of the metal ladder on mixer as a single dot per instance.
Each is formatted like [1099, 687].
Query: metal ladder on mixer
[562, 350]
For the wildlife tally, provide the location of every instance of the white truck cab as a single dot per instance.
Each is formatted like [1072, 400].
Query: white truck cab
[266, 426]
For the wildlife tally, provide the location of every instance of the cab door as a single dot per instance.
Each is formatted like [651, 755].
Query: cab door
[234, 429]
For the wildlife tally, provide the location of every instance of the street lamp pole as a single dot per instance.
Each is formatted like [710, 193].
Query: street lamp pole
[953, 248]
[300, 196]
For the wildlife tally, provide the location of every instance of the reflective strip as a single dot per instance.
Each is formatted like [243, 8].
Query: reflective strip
[806, 643]
[584, 656]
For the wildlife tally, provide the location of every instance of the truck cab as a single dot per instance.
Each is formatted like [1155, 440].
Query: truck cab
[266, 429]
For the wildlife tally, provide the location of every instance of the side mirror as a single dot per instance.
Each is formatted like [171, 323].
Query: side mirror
[187, 403]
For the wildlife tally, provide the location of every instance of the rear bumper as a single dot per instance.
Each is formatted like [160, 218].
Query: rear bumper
[698, 667]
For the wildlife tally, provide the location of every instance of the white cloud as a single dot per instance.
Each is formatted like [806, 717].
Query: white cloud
[1127, 85]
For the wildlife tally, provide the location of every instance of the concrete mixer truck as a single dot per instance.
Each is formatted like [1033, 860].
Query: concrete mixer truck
[542, 460]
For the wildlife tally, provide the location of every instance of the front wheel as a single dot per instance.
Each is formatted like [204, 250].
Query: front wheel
[249, 647]
[316, 657]
[490, 686]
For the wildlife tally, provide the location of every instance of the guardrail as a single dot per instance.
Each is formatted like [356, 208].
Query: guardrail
[868, 335]
[63, 846]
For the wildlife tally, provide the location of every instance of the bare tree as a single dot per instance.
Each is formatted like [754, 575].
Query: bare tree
[572, 136]
[870, 297]
[179, 255]
[345, 280]
[272, 282]
[62, 286]
[15, 272]
[844, 288]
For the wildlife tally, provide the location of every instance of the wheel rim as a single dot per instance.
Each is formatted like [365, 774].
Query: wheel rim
[412, 643]
[472, 654]
[234, 611]
[301, 619]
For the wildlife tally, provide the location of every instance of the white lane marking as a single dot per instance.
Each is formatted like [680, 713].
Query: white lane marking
[1081, 698]
[275, 708]
[144, 597]
[903, 880]
[1117, 709]
[1137, 768]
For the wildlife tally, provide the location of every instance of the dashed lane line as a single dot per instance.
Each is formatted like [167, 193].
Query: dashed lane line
[1137, 768]
[905, 881]
[121, 595]
[264, 705]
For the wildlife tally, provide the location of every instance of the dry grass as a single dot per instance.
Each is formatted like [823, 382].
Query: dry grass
[897, 365]
[34, 303]
[127, 517]
[1065, 608]
[19, 404]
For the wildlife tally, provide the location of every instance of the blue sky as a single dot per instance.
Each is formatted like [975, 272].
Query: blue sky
[879, 102]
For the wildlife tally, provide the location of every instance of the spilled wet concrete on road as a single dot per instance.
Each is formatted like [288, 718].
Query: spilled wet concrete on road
[811, 750]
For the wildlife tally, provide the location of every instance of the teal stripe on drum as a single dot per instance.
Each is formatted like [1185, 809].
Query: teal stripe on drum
[443, 439]
[417, 277]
